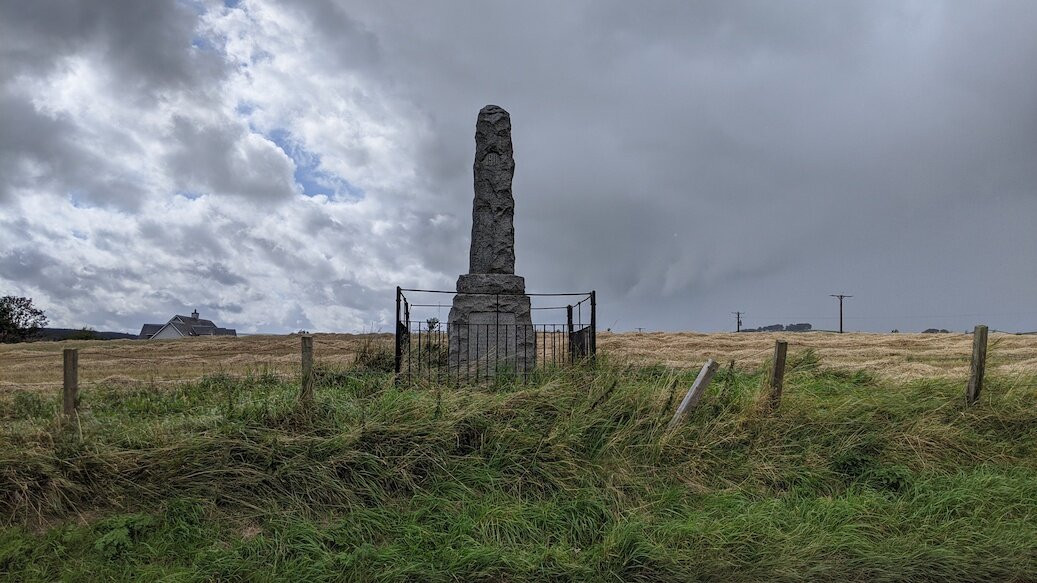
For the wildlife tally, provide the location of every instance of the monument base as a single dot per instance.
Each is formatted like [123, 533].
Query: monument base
[490, 326]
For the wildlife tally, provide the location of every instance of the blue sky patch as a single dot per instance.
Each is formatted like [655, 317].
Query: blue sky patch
[203, 44]
[78, 199]
[308, 172]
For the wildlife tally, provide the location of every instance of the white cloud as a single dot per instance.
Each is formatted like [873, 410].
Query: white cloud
[284, 165]
[152, 206]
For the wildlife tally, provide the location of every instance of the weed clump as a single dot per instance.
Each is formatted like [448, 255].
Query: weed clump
[374, 355]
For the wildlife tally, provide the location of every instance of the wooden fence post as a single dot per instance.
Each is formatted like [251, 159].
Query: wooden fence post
[979, 364]
[306, 396]
[698, 388]
[778, 373]
[70, 388]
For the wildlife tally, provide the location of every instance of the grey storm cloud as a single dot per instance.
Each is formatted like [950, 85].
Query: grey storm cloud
[189, 241]
[685, 159]
[224, 159]
[38, 150]
[148, 45]
[699, 159]
[23, 263]
[220, 273]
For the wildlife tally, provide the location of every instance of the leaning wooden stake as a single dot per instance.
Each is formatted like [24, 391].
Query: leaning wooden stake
[698, 388]
[306, 396]
[979, 364]
[70, 389]
[778, 373]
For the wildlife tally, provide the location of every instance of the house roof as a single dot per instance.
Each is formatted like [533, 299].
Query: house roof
[193, 321]
[149, 330]
[181, 327]
[188, 326]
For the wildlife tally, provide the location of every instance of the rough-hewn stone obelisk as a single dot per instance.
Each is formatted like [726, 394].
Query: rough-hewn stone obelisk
[490, 324]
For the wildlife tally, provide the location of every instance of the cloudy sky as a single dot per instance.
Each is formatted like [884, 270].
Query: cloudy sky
[284, 165]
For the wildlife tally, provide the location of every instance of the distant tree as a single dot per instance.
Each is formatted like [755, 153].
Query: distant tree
[84, 334]
[19, 319]
[433, 324]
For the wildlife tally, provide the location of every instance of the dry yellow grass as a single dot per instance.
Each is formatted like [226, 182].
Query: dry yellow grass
[38, 364]
[890, 356]
[899, 357]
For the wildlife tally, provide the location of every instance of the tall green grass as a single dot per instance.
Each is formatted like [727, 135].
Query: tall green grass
[571, 477]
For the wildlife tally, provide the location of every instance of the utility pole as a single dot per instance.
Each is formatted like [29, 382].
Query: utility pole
[738, 321]
[840, 296]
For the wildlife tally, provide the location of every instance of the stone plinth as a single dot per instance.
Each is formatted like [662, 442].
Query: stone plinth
[491, 333]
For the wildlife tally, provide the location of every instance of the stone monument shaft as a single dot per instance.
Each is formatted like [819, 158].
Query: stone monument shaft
[493, 212]
[490, 325]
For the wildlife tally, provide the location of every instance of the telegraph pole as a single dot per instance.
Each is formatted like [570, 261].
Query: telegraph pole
[840, 296]
[738, 321]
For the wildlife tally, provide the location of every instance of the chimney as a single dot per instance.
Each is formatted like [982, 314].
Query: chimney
[194, 314]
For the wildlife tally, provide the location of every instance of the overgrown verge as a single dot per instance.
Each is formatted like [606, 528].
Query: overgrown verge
[573, 477]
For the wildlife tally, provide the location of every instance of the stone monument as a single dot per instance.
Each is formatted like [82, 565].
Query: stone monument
[490, 328]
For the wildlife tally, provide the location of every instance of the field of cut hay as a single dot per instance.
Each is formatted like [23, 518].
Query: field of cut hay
[129, 362]
[899, 357]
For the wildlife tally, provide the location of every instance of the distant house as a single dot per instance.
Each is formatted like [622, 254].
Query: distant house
[184, 326]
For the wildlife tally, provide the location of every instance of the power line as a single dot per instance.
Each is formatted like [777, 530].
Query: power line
[738, 321]
[840, 296]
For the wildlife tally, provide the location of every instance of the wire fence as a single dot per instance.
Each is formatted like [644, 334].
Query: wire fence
[1007, 363]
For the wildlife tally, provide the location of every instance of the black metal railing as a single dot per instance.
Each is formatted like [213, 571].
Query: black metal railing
[430, 347]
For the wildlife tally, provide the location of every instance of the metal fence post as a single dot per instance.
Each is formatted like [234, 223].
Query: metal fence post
[569, 332]
[594, 326]
[399, 346]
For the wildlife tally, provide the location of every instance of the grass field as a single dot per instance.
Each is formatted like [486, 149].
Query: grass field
[870, 471]
[897, 357]
[37, 365]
